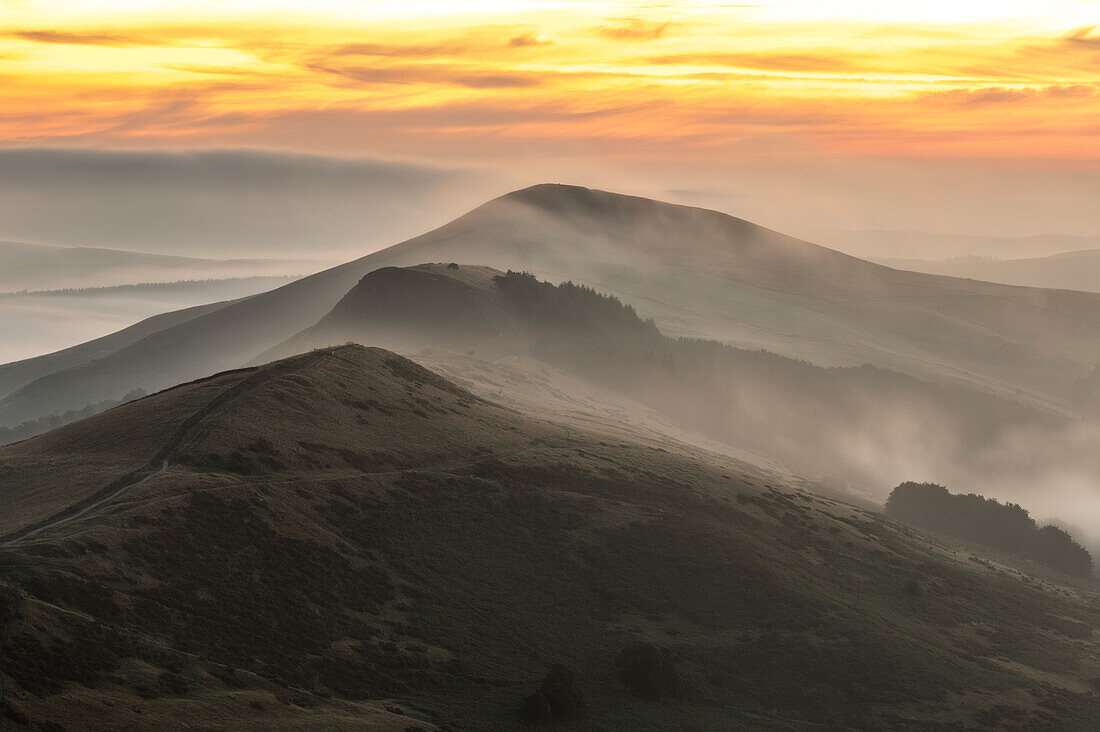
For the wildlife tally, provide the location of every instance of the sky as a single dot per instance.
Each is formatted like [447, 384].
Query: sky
[978, 118]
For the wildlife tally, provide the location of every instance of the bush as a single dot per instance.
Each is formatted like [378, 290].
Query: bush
[558, 697]
[649, 672]
[1004, 526]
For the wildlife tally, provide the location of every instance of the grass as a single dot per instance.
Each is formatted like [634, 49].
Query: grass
[294, 587]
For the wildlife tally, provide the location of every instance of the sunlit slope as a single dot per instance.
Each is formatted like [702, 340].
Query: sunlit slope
[80, 462]
[696, 272]
[345, 539]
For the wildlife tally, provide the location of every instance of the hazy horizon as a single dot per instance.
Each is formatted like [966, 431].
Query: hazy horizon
[345, 128]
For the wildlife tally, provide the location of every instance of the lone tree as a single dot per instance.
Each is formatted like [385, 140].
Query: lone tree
[453, 267]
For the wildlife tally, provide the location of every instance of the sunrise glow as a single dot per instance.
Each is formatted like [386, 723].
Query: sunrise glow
[684, 79]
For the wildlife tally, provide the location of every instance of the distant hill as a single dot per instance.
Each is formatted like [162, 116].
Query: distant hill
[345, 539]
[1064, 271]
[26, 266]
[40, 321]
[695, 272]
[939, 245]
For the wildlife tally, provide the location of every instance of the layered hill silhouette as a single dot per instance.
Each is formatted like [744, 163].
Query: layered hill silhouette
[26, 266]
[863, 425]
[695, 272]
[347, 539]
[1078, 270]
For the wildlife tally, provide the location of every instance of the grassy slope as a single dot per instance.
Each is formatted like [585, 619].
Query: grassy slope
[749, 399]
[352, 532]
[696, 272]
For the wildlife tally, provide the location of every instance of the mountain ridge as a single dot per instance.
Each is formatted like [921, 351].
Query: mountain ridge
[697, 273]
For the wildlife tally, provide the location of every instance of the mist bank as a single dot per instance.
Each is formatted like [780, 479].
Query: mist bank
[25, 267]
[877, 244]
[1077, 270]
[42, 322]
[859, 429]
[696, 273]
[225, 203]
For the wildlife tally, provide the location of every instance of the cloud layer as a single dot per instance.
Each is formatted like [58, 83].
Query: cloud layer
[224, 203]
[680, 95]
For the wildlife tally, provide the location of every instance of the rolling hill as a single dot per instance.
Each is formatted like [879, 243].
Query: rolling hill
[25, 266]
[883, 426]
[695, 272]
[41, 321]
[346, 539]
[1066, 271]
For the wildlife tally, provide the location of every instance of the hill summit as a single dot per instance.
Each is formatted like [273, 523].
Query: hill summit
[695, 272]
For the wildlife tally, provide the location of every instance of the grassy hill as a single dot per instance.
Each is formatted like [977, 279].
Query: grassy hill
[695, 272]
[883, 426]
[344, 538]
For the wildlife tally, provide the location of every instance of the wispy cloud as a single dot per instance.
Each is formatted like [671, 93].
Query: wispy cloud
[999, 95]
[431, 74]
[72, 38]
[548, 81]
[525, 40]
[634, 29]
[821, 61]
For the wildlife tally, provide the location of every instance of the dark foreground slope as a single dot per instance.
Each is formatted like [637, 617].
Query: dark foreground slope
[345, 539]
[695, 272]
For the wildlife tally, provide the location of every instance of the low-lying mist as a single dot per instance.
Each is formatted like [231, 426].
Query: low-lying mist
[44, 321]
[860, 429]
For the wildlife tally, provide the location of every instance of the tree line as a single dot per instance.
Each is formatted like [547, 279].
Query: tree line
[1004, 526]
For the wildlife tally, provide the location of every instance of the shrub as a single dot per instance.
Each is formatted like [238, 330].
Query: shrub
[558, 697]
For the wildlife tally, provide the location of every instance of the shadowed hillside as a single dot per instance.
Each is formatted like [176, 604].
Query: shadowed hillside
[861, 425]
[695, 272]
[345, 539]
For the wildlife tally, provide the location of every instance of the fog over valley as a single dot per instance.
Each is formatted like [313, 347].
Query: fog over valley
[449, 367]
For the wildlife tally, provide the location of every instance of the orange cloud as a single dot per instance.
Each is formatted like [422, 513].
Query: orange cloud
[830, 61]
[634, 29]
[78, 38]
[492, 86]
